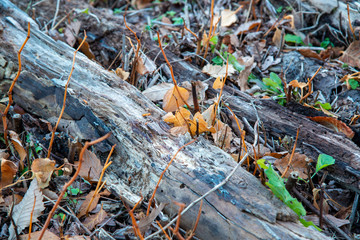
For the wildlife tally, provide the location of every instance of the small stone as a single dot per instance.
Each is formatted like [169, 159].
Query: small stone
[8, 70]
[2, 61]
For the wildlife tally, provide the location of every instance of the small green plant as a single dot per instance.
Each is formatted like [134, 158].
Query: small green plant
[353, 83]
[326, 43]
[326, 106]
[277, 186]
[61, 216]
[323, 161]
[293, 39]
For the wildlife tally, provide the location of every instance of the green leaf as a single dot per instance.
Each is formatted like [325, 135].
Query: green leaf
[262, 164]
[326, 106]
[217, 60]
[251, 77]
[233, 61]
[326, 43]
[323, 161]
[353, 83]
[214, 40]
[309, 223]
[275, 78]
[38, 149]
[117, 11]
[279, 9]
[86, 11]
[177, 20]
[272, 85]
[293, 39]
[277, 186]
[171, 13]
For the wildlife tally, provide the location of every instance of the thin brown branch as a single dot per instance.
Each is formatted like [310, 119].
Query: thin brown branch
[31, 217]
[163, 172]
[137, 231]
[310, 85]
[172, 71]
[68, 184]
[196, 222]
[351, 27]
[136, 58]
[166, 235]
[64, 101]
[292, 154]
[12, 87]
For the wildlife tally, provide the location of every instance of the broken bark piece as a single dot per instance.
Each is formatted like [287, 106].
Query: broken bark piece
[243, 207]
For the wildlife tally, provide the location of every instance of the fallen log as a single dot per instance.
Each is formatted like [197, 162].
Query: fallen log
[99, 102]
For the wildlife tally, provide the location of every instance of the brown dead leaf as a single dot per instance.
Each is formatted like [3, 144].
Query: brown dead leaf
[91, 221]
[71, 31]
[334, 124]
[91, 166]
[35, 236]
[85, 49]
[145, 222]
[201, 88]
[9, 200]
[228, 17]
[8, 171]
[223, 135]
[209, 115]
[43, 168]
[180, 119]
[310, 53]
[352, 55]
[122, 74]
[277, 38]
[248, 63]
[218, 71]
[157, 92]
[172, 98]
[245, 27]
[145, 65]
[140, 4]
[85, 204]
[176, 131]
[4, 154]
[15, 140]
[298, 163]
[337, 221]
[203, 126]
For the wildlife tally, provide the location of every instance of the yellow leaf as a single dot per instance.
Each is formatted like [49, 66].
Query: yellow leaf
[209, 115]
[172, 98]
[218, 83]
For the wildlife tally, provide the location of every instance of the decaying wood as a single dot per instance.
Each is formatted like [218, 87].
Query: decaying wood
[99, 102]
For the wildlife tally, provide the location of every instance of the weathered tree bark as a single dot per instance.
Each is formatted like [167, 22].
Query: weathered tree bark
[242, 209]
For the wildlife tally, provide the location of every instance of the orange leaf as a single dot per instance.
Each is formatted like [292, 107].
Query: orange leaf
[309, 53]
[247, 26]
[43, 168]
[334, 124]
[8, 171]
[218, 83]
[203, 126]
[172, 96]
[297, 84]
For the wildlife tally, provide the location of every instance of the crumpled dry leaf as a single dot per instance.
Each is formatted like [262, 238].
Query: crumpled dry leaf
[145, 65]
[247, 26]
[270, 61]
[91, 221]
[351, 55]
[248, 63]
[201, 88]
[84, 205]
[334, 124]
[157, 92]
[218, 83]
[209, 115]
[218, 71]
[85, 49]
[298, 163]
[145, 222]
[22, 211]
[228, 17]
[277, 38]
[43, 168]
[223, 135]
[91, 166]
[337, 221]
[172, 98]
[35, 236]
[310, 54]
[15, 140]
[71, 31]
[203, 126]
[122, 74]
[8, 171]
